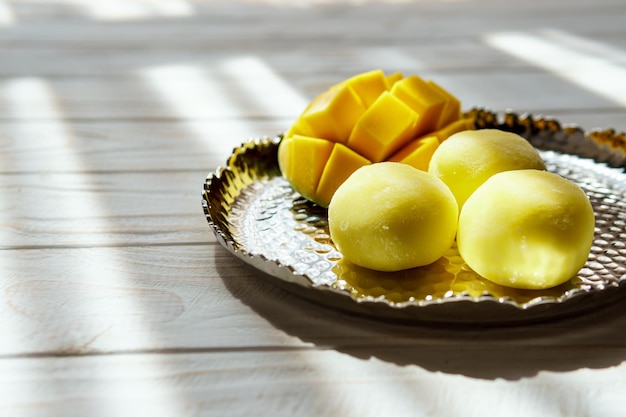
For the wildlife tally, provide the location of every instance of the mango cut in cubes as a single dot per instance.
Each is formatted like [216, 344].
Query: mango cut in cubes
[368, 118]
[302, 159]
[385, 126]
[425, 101]
[317, 167]
[419, 152]
[330, 115]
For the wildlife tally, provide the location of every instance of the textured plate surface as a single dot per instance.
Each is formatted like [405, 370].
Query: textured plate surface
[257, 216]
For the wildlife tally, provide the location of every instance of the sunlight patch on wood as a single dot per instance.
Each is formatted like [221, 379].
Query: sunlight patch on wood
[125, 10]
[67, 298]
[238, 89]
[7, 17]
[568, 59]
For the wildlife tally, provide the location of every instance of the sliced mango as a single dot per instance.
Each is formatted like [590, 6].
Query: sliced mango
[454, 127]
[302, 159]
[331, 115]
[342, 162]
[367, 118]
[418, 153]
[392, 78]
[424, 100]
[451, 110]
[368, 86]
[385, 127]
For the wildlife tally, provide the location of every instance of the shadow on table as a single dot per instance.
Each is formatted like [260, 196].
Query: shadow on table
[595, 339]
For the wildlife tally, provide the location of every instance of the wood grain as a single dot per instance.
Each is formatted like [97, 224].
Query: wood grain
[278, 383]
[116, 299]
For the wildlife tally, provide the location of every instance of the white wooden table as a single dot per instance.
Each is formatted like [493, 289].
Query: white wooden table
[117, 300]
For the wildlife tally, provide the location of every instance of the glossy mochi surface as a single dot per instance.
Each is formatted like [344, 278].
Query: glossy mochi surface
[368, 118]
[391, 216]
[466, 159]
[526, 229]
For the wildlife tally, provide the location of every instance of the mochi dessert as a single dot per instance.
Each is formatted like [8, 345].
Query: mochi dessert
[467, 159]
[526, 229]
[390, 216]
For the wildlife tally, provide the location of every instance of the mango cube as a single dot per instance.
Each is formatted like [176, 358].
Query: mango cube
[331, 115]
[342, 162]
[302, 159]
[418, 152]
[392, 78]
[423, 99]
[452, 109]
[386, 126]
[454, 127]
[368, 86]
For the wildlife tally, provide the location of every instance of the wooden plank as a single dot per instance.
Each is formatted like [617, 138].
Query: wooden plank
[130, 97]
[300, 383]
[32, 146]
[110, 209]
[126, 99]
[279, 23]
[177, 298]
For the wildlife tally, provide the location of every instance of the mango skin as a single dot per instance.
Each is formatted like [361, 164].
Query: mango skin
[465, 160]
[526, 229]
[390, 216]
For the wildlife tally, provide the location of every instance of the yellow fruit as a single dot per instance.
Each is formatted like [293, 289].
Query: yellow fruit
[377, 117]
[467, 159]
[341, 163]
[384, 127]
[419, 152]
[452, 108]
[303, 159]
[330, 115]
[526, 229]
[390, 216]
[426, 101]
[368, 86]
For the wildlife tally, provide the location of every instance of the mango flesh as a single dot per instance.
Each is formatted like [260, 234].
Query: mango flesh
[526, 229]
[452, 108]
[374, 117]
[317, 167]
[423, 99]
[465, 160]
[390, 216]
[419, 152]
[307, 169]
[384, 127]
[341, 163]
[330, 115]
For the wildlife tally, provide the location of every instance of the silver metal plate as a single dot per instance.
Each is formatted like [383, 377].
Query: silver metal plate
[257, 216]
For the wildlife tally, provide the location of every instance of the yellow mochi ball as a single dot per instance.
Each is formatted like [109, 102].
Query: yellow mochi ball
[391, 216]
[466, 159]
[526, 229]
